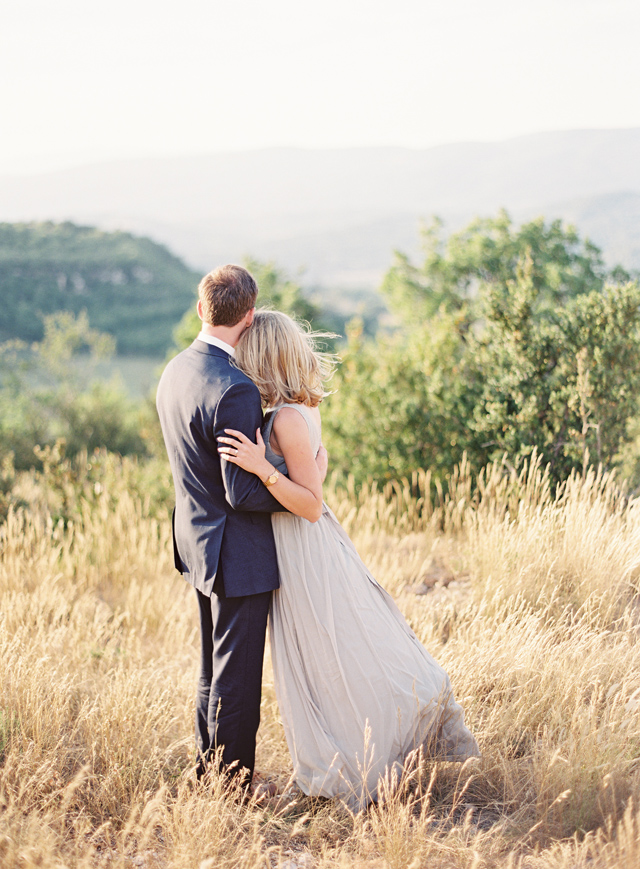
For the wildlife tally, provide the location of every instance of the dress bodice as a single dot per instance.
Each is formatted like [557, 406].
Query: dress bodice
[314, 433]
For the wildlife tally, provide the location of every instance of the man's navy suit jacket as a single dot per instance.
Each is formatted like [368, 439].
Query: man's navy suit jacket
[222, 517]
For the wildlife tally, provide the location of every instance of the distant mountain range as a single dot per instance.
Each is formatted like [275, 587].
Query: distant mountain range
[339, 214]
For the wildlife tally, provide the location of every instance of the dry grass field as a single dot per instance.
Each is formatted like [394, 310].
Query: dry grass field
[534, 613]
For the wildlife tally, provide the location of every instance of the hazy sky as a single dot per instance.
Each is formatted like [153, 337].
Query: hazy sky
[84, 81]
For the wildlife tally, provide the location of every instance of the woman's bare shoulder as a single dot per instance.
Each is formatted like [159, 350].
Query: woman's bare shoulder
[289, 416]
[290, 424]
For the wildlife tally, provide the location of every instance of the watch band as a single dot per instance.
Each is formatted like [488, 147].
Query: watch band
[272, 478]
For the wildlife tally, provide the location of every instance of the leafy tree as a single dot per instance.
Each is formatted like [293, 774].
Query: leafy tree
[47, 394]
[566, 385]
[401, 402]
[510, 339]
[487, 253]
[22, 422]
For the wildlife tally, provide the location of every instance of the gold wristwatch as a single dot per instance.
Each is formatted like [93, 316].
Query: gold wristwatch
[273, 478]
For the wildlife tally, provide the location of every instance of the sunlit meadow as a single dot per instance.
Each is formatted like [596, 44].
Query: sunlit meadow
[528, 596]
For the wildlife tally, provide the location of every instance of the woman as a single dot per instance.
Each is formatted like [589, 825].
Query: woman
[356, 689]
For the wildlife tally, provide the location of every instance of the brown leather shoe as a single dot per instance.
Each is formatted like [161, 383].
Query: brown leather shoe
[262, 788]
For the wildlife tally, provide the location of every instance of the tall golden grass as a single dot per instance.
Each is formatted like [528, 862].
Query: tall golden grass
[538, 631]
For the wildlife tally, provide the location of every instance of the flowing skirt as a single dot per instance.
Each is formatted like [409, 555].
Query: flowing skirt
[357, 691]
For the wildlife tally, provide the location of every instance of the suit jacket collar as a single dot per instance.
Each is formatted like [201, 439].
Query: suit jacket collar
[217, 342]
[209, 349]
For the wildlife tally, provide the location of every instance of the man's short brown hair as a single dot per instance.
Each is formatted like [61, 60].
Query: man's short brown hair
[227, 294]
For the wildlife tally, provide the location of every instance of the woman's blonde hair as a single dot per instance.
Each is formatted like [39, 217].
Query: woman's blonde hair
[281, 356]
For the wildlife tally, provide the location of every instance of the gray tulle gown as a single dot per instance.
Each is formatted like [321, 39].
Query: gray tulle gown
[357, 691]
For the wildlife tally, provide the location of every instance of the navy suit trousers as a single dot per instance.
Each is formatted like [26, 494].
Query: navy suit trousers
[233, 631]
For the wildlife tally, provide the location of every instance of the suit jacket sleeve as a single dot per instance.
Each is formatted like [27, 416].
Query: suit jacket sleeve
[240, 409]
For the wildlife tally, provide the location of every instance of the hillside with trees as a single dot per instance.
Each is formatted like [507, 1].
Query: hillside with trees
[131, 288]
[507, 339]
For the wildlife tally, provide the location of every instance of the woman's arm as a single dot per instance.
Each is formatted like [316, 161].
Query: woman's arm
[301, 491]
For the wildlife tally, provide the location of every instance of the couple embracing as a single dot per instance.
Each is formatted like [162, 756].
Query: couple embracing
[357, 691]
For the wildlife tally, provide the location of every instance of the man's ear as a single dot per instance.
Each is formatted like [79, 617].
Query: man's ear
[249, 318]
[199, 309]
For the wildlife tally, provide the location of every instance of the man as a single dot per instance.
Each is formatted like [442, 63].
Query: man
[223, 543]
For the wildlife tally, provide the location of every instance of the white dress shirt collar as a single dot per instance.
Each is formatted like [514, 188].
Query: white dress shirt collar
[210, 339]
